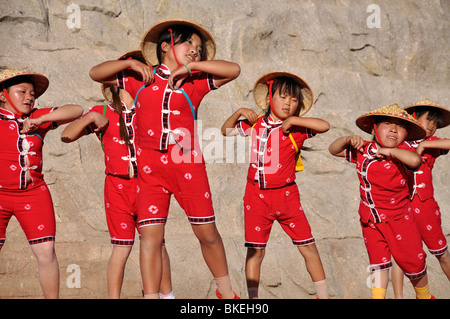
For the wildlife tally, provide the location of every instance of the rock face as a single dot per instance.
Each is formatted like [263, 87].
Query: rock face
[355, 56]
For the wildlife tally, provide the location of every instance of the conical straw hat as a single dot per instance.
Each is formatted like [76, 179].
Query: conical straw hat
[150, 40]
[427, 104]
[261, 89]
[415, 131]
[40, 82]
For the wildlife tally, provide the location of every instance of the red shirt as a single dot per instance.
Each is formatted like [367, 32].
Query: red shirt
[423, 177]
[162, 113]
[16, 148]
[384, 186]
[118, 155]
[273, 155]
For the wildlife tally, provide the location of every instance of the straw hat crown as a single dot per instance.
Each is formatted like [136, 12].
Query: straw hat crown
[150, 40]
[40, 82]
[415, 131]
[261, 89]
[427, 104]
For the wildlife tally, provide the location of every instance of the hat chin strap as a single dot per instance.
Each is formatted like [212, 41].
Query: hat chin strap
[173, 48]
[271, 99]
[377, 135]
[17, 114]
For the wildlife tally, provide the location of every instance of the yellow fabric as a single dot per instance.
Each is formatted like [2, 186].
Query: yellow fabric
[299, 163]
[378, 293]
[422, 292]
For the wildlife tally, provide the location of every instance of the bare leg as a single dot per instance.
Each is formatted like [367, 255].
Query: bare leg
[116, 270]
[48, 268]
[166, 281]
[253, 270]
[213, 253]
[397, 281]
[150, 257]
[444, 261]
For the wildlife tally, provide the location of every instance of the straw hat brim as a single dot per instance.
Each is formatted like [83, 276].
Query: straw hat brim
[135, 54]
[40, 82]
[366, 122]
[261, 89]
[150, 40]
[426, 105]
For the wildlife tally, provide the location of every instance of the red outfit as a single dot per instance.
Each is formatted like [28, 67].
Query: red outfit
[427, 211]
[164, 113]
[23, 192]
[120, 190]
[386, 213]
[164, 119]
[271, 193]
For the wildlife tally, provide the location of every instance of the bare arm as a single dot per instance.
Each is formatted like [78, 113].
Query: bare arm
[106, 72]
[315, 124]
[229, 127]
[337, 148]
[64, 114]
[409, 158]
[223, 72]
[443, 144]
[77, 129]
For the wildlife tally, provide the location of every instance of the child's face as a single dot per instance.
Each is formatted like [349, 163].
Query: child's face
[188, 51]
[22, 96]
[391, 132]
[430, 127]
[285, 105]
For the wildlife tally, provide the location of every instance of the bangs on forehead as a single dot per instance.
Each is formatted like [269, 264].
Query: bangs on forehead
[180, 33]
[288, 86]
[17, 80]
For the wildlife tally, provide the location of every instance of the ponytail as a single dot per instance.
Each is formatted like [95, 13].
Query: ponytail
[117, 106]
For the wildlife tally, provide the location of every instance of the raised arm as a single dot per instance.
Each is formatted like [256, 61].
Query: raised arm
[64, 114]
[229, 127]
[315, 124]
[443, 144]
[409, 158]
[106, 72]
[337, 148]
[77, 129]
[223, 72]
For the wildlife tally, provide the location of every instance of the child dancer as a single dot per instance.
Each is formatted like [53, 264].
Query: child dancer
[385, 210]
[271, 192]
[169, 158]
[431, 117]
[118, 143]
[23, 191]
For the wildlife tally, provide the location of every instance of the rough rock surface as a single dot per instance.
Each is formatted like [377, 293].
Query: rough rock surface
[351, 68]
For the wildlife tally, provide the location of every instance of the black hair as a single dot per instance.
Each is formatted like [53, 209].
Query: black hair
[433, 115]
[287, 85]
[180, 33]
[16, 80]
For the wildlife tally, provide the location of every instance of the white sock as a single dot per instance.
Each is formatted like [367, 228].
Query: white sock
[321, 289]
[224, 286]
[169, 296]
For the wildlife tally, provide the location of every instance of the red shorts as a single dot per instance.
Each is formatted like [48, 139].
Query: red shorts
[33, 209]
[161, 175]
[263, 206]
[121, 209]
[428, 219]
[400, 238]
